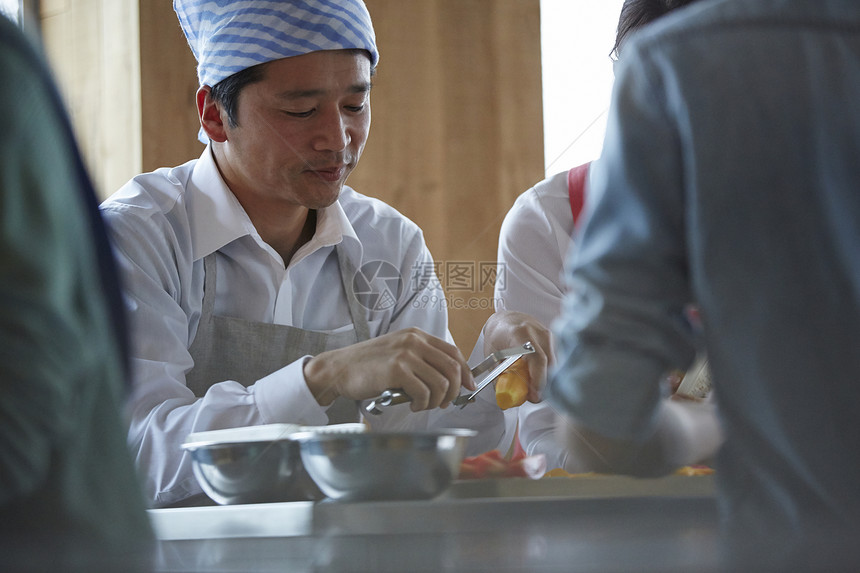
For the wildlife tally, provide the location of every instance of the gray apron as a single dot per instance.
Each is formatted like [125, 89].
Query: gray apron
[226, 348]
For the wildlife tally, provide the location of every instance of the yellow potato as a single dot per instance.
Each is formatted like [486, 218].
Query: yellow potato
[512, 386]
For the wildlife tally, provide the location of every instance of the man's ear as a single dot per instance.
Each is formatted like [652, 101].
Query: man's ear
[209, 113]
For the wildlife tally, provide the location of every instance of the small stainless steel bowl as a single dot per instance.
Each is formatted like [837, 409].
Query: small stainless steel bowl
[382, 465]
[257, 464]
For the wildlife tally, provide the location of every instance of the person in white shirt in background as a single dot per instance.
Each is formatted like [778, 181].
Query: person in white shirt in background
[260, 288]
[534, 241]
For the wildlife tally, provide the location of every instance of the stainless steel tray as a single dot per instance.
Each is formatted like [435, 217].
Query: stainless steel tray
[602, 524]
[584, 486]
[486, 497]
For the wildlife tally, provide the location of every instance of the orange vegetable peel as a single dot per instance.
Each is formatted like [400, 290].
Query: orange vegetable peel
[512, 386]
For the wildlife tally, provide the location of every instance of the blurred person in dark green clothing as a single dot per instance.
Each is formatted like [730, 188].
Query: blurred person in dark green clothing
[69, 497]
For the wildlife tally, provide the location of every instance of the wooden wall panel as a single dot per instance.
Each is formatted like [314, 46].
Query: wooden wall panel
[93, 48]
[457, 131]
[168, 81]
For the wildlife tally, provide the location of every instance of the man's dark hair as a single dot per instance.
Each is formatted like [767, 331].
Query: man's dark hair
[227, 91]
[637, 13]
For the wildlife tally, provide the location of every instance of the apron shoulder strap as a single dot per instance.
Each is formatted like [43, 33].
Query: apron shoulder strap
[347, 276]
[576, 189]
[209, 276]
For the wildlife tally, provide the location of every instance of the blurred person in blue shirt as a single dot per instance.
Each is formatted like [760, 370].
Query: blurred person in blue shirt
[729, 178]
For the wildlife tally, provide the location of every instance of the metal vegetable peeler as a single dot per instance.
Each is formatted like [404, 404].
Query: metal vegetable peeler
[491, 367]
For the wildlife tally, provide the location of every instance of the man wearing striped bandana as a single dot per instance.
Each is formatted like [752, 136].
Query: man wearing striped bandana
[260, 288]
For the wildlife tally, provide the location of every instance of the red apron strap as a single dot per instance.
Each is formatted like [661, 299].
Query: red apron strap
[576, 189]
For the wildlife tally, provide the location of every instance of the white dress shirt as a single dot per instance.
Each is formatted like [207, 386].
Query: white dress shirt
[533, 242]
[164, 223]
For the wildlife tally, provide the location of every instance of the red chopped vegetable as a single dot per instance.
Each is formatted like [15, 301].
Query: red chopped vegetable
[493, 465]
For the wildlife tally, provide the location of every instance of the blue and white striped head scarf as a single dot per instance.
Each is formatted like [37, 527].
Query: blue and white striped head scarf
[228, 36]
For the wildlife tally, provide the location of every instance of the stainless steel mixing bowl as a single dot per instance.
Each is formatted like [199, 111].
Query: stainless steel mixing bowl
[256, 464]
[253, 472]
[382, 465]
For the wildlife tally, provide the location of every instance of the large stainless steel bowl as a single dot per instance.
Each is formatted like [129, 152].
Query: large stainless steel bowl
[383, 466]
[256, 464]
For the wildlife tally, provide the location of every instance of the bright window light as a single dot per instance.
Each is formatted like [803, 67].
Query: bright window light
[9, 8]
[576, 38]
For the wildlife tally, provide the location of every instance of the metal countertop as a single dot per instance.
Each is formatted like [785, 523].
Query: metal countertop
[599, 524]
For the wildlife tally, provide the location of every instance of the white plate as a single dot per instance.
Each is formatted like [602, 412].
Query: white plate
[264, 433]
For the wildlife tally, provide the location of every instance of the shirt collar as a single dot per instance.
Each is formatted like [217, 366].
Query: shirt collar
[333, 227]
[216, 217]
